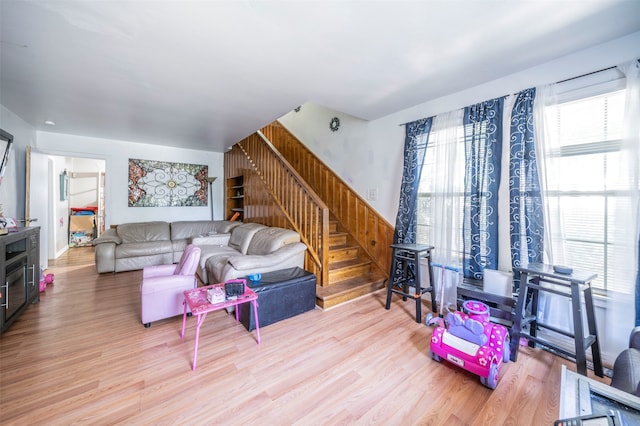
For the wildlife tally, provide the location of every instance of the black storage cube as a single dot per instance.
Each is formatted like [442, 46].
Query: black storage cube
[281, 295]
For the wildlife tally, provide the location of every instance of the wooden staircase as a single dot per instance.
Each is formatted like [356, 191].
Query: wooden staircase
[352, 273]
[286, 185]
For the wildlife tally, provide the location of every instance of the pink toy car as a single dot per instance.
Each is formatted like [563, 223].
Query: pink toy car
[472, 342]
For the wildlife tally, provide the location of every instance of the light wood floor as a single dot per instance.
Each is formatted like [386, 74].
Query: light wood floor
[81, 356]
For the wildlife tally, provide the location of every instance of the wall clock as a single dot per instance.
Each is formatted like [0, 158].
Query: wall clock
[334, 124]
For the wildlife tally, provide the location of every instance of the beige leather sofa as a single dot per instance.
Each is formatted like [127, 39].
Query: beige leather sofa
[133, 246]
[251, 248]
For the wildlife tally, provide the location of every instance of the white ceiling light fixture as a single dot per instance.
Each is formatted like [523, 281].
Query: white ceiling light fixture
[50, 123]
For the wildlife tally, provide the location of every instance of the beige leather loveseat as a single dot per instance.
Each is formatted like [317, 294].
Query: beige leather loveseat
[133, 246]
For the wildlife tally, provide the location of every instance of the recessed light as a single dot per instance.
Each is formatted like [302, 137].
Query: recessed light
[49, 123]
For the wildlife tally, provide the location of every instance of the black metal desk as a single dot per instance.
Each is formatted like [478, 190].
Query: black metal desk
[537, 277]
[408, 256]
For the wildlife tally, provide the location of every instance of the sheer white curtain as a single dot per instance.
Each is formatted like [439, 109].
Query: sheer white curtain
[615, 310]
[445, 181]
[545, 144]
[620, 303]
[551, 309]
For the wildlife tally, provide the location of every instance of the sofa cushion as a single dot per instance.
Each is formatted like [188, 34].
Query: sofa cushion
[268, 240]
[187, 232]
[259, 261]
[285, 257]
[216, 262]
[143, 249]
[216, 240]
[190, 228]
[108, 236]
[209, 251]
[197, 228]
[139, 262]
[225, 226]
[241, 236]
[143, 232]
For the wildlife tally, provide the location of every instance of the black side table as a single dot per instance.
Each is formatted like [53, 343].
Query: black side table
[538, 277]
[409, 256]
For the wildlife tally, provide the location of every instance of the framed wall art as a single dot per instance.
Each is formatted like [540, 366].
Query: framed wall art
[164, 184]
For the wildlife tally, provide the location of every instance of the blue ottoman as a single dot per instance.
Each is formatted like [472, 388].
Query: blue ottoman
[281, 294]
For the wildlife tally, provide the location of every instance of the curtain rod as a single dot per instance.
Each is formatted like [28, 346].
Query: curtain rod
[557, 82]
[585, 75]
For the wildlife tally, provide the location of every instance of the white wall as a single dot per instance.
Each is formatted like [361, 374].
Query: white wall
[370, 154]
[117, 154]
[83, 181]
[365, 161]
[12, 188]
[60, 214]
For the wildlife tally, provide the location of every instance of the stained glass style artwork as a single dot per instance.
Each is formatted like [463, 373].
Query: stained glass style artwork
[165, 184]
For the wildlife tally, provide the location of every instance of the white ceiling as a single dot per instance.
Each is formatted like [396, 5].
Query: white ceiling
[205, 74]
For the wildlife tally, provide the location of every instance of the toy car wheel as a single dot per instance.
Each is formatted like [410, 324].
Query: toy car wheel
[506, 350]
[492, 381]
[435, 356]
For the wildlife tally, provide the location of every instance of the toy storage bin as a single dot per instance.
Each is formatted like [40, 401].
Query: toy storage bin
[82, 226]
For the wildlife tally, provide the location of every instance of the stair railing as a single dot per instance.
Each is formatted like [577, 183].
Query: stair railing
[276, 195]
[372, 231]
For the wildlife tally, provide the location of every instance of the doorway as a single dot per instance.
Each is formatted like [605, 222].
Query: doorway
[78, 198]
[56, 184]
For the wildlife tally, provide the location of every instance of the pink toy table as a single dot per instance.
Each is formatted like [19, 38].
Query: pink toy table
[197, 302]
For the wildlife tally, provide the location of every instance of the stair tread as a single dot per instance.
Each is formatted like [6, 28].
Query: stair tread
[349, 263]
[356, 281]
[349, 289]
[339, 247]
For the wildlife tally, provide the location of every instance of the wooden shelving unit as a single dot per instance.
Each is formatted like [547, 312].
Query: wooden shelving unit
[235, 197]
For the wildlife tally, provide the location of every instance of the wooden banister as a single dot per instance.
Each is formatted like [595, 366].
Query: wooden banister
[276, 195]
[370, 229]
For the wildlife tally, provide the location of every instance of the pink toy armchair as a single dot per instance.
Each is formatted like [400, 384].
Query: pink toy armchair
[162, 287]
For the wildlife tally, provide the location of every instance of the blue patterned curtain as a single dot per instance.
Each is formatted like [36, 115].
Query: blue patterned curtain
[525, 198]
[483, 151]
[415, 146]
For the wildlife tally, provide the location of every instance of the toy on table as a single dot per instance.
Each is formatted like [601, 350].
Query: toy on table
[472, 342]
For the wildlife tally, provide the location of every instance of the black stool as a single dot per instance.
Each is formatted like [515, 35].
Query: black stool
[408, 256]
[571, 285]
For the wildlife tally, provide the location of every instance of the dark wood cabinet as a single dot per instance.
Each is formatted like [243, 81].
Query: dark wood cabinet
[235, 197]
[19, 273]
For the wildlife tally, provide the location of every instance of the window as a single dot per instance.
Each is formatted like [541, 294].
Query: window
[584, 186]
[584, 189]
[441, 192]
